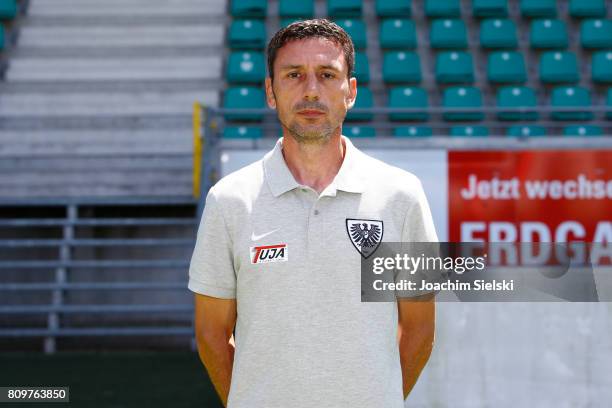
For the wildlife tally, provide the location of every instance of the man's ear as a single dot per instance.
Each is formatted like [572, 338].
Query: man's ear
[352, 96]
[270, 99]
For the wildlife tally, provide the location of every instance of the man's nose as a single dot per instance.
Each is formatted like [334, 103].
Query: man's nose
[311, 93]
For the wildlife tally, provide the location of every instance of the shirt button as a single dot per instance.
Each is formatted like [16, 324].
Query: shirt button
[316, 212]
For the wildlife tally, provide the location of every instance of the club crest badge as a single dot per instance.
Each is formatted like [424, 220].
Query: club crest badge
[366, 235]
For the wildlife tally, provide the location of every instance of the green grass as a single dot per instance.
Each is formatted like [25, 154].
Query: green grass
[114, 379]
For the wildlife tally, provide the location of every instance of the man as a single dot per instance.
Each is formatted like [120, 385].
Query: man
[280, 244]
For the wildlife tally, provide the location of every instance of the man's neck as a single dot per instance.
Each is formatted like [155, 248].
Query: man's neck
[314, 165]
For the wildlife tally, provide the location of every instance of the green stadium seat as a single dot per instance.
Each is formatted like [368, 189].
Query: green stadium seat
[497, 33]
[401, 67]
[358, 131]
[596, 34]
[408, 97]
[242, 132]
[469, 131]
[582, 130]
[526, 131]
[548, 34]
[448, 33]
[454, 67]
[490, 8]
[559, 67]
[2, 38]
[398, 33]
[245, 67]
[571, 96]
[412, 131]
[601, 67]
[284, 22]
[244, 98]
[442, 8]
[8, 9]
[462, 97]
[587, 8]
[362, 68]
[357, 30]
[365, 100]
[247, 34]
[609, 103]
[505, 67]
[249, 8]
[538, 8]
[516, 97]
[344, 8]
[393, 8]
[292, 8]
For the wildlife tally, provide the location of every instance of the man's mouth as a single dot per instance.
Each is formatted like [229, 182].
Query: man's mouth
[311, 112]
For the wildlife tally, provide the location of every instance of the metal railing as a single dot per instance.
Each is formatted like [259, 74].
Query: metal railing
[66, 268]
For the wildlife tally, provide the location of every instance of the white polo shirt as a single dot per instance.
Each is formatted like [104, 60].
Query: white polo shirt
[303, 337]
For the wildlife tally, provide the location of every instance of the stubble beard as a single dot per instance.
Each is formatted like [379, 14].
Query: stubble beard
[309, 135]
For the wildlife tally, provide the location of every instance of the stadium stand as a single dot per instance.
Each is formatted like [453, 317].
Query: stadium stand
[8, 9]
[435, 50]
[296, 9]
[401, 67]
[462, 97]
[393, 8]
[448, 34]
[587, 8]
[397, 34]
[498, 33]
[94, 106]
[97, 104]
[442, 8]
[408, 97]
[516, 97]
[506, 67]
[362, 68]
[548, 34]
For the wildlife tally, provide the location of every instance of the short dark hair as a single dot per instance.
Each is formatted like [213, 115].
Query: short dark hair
[321, 28]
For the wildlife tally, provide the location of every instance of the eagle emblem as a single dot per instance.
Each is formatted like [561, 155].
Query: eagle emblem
[366, 235]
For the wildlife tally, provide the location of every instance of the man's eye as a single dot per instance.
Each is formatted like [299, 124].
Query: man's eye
[293, 75]
[328, 75]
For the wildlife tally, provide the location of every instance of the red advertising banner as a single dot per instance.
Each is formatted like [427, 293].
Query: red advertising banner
[530, 196]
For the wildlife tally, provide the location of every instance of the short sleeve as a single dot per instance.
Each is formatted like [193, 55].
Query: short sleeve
[211, 271]
[418, 224]
[419, 239]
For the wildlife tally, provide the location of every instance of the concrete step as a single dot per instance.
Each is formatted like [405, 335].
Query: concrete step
[117, 52]
[83, 177]
[94, 189]
[62, 150]
[100, 104]
[124, 7]
[122, 36]
[113, 69]
[105, 86]
[97, 163]
[178, 137]
[201, 17]
[88, 122]
[109, 176]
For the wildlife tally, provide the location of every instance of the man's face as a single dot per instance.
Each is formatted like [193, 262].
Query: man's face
[311, 89]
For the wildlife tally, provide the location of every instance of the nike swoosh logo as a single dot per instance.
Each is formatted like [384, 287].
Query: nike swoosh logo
[258, 237]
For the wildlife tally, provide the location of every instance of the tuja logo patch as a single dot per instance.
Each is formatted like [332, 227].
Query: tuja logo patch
[269, 253]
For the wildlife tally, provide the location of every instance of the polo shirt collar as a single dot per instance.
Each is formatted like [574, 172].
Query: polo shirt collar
[280, 179]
